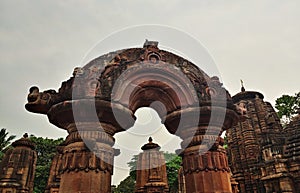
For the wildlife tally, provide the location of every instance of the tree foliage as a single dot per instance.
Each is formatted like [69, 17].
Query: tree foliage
[173, 163]
[126, 186]
[287, 106]
[225, 142]
[46, 149]
[132, 166]
[5, 140]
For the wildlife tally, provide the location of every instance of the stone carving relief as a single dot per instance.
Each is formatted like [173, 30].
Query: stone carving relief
[241, 108]
[78, 71]
[210, 161]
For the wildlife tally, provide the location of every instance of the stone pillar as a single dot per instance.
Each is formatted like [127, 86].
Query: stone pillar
[205, 164]
[54, 176]
[17, 168]
[234, 185]
[181, 181]
[87, 158]
[87, 167]
[207, 172]
[151, 170]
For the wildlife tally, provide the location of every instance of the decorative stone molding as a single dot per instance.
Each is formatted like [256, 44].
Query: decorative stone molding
[17, 168]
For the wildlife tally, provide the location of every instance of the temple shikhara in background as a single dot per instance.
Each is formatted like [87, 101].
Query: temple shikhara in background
[151, 170]
[100, 99]
[263, 156]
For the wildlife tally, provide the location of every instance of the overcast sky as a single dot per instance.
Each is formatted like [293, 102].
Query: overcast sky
[42, 41]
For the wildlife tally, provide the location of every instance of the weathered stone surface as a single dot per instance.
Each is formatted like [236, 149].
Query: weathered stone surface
[151, 170]
[181, 181]
[205, 164]
[17, 168]
[292, 149]
[261, 153]
[55, 174]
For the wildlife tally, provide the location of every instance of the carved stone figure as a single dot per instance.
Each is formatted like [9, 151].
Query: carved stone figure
[78, 71]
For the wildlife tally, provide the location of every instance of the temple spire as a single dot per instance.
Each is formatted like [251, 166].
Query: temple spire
[150, 145]
[243, 88]
[17, 167]
[150, 43]
[25, 135]
[151, 173]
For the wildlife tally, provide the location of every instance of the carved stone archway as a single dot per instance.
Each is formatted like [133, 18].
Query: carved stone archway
[101, 98]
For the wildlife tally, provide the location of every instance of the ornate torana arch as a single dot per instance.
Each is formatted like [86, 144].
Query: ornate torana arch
[101, 98]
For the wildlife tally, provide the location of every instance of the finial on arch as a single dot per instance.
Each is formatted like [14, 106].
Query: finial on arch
[150, 43]
[150, 140]
[243, 88]
[150, 145]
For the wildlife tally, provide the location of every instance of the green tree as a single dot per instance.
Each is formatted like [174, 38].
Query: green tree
[5, 140]
[173, 163]
[287, 106]
[132, 166]
[46, 149]
[126, 186]
[225, 142]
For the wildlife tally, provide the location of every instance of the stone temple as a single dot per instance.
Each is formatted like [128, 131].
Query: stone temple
[100, 99]
[263, 156]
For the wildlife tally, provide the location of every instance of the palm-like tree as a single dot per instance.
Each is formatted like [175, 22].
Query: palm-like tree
[5, 139]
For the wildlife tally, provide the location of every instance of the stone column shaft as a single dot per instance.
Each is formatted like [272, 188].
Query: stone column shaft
[87, 161]
[206, 171]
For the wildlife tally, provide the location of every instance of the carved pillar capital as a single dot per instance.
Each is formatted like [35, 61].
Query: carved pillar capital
[196, 161]
[88, 155]
[205, 164]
